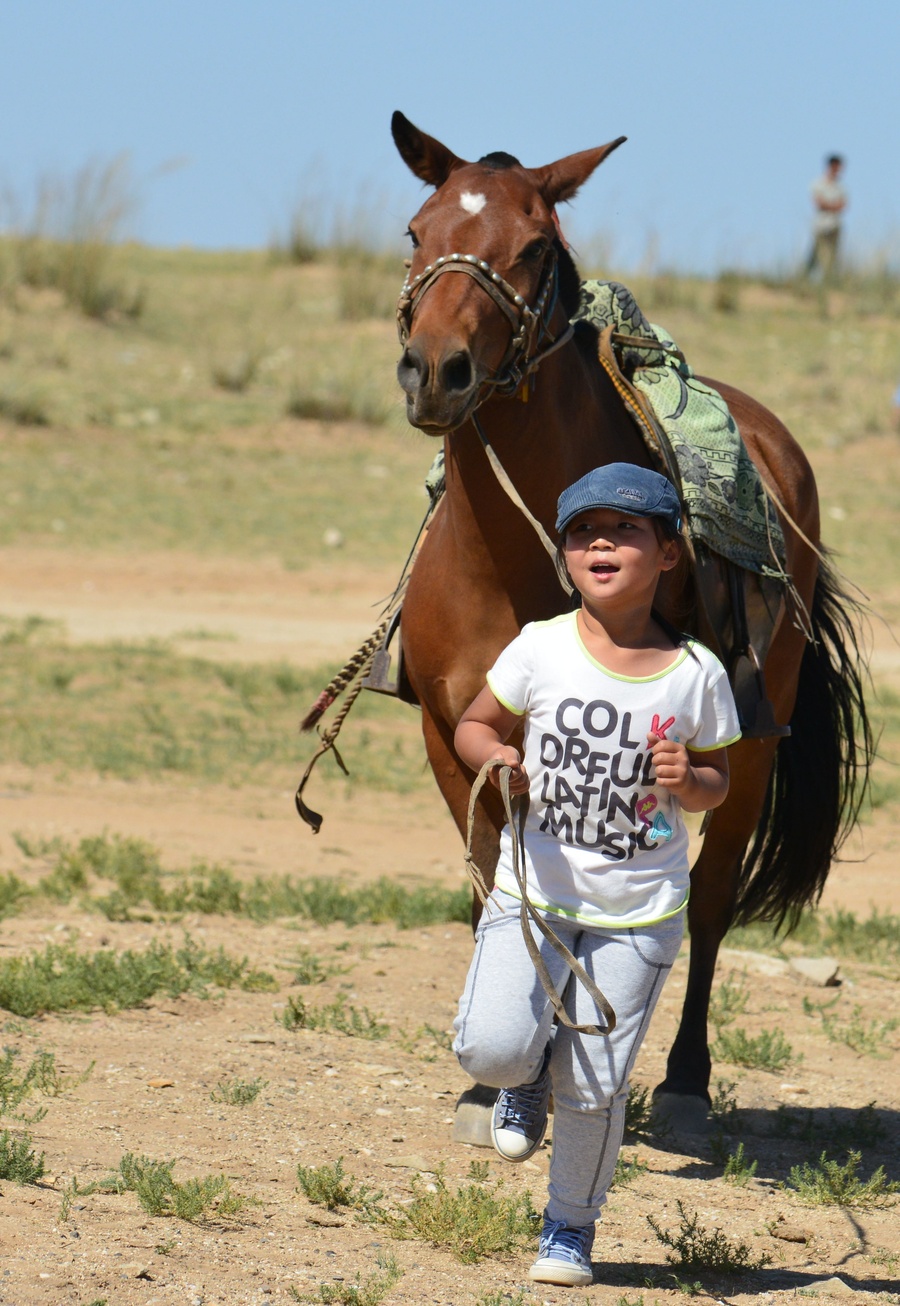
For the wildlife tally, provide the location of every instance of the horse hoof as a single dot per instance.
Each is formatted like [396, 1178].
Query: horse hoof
[680, 1113]
[472, 1122]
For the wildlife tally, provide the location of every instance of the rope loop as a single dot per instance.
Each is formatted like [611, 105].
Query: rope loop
[516, 809]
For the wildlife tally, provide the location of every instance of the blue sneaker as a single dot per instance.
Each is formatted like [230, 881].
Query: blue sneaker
[564, 1255]
[519, 1120]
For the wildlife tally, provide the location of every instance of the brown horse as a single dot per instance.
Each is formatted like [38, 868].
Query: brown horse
[473, 343]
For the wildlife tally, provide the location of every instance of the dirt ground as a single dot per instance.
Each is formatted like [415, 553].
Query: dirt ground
[385, 1106]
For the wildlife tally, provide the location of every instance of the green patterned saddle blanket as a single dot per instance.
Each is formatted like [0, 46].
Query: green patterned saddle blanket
[728, 509]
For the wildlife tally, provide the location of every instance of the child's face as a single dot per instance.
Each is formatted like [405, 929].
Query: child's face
[612, 555]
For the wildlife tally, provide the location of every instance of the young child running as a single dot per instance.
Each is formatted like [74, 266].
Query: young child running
[626, 726]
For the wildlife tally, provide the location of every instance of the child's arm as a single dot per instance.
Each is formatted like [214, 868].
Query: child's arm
[699, 780]
[481, 736]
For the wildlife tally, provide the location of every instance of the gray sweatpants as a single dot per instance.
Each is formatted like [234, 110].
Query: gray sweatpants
[505, 1022]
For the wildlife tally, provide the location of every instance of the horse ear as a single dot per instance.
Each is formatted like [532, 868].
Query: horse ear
[427, 158]
[561, 180]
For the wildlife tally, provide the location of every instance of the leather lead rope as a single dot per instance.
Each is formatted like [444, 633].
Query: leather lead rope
[503, 477]
[516, 813]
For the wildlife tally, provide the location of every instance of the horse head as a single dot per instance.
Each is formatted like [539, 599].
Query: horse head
[468, 336]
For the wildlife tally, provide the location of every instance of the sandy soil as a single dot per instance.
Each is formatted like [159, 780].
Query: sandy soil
[384, 1105]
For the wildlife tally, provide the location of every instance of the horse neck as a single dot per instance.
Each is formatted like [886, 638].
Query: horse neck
[572, 421]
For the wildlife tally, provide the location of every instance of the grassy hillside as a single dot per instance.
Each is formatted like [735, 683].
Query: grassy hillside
[241, 403]
[236, 405]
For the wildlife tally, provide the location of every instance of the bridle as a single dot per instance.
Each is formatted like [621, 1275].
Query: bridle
[530, 326]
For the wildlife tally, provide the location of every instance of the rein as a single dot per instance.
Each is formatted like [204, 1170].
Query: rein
[530, 326]
[516, 811]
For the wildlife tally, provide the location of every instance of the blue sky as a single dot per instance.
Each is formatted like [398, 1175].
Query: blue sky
[233, 113]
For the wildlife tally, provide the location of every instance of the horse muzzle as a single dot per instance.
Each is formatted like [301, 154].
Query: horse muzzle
[441, 392]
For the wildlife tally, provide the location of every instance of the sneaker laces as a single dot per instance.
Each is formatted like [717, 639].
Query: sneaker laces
[564, 1241]
[523, 1105]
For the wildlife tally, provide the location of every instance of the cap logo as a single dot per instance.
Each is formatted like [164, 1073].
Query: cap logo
[628, 493]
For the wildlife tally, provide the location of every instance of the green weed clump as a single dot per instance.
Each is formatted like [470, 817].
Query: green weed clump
[368, 285]
[869, 1038]
[502, 1297]
[473, 1221]
[24, 407]
[696, 1249]
[299, 245]
[627, 1170]
[875, 940]
[132, 864]
[361, 1292]
[238, 1092]
[13, 891]
[320, 402]
[727, 291]
[135, 870]
[159, 1193]
[639, 1122]
[338, 1017]
[728, 1001]
[18, 1162]
[723, 1107]
[426, 1041]
[75, 1189]
[236, 372]
[769, 1050]
[68, 242]
[310, 969]
[14, 1087]
[737, 1169]
[831, 1184]
[62, 979]
[41, 1076]
[330, 1186]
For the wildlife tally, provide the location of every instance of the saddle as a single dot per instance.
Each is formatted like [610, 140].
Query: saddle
[737, 608]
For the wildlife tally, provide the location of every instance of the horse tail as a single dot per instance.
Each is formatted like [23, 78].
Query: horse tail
[821, 772]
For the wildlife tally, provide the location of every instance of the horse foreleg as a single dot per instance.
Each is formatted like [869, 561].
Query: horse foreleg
[472, 1120]
[683, 1096]
[454, 782]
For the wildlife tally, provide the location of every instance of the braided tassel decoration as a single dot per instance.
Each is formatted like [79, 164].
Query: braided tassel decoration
[359, 662]
[353, 674]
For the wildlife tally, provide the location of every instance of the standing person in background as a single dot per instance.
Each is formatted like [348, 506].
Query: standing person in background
[830, 200]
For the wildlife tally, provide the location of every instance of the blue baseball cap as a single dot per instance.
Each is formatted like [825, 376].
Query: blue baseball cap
[621, 486]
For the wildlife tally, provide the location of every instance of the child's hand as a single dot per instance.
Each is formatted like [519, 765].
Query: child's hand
[519, 782]
[671, 764]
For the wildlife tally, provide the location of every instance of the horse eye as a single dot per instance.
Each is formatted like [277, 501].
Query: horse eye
[412, 237]
[536, 250]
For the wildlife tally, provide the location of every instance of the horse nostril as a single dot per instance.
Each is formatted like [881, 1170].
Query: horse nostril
[456, 371]
[412, 370]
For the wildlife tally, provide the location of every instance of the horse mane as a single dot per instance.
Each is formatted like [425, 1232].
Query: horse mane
[499, 160]
[569, 279]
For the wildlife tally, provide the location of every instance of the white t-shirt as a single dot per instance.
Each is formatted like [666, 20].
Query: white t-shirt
[827, 190]
[603, 842]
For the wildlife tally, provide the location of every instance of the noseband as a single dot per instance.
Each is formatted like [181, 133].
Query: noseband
[530, 326]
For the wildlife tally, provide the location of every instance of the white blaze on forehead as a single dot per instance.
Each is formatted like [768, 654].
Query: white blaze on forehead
[472, 203]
